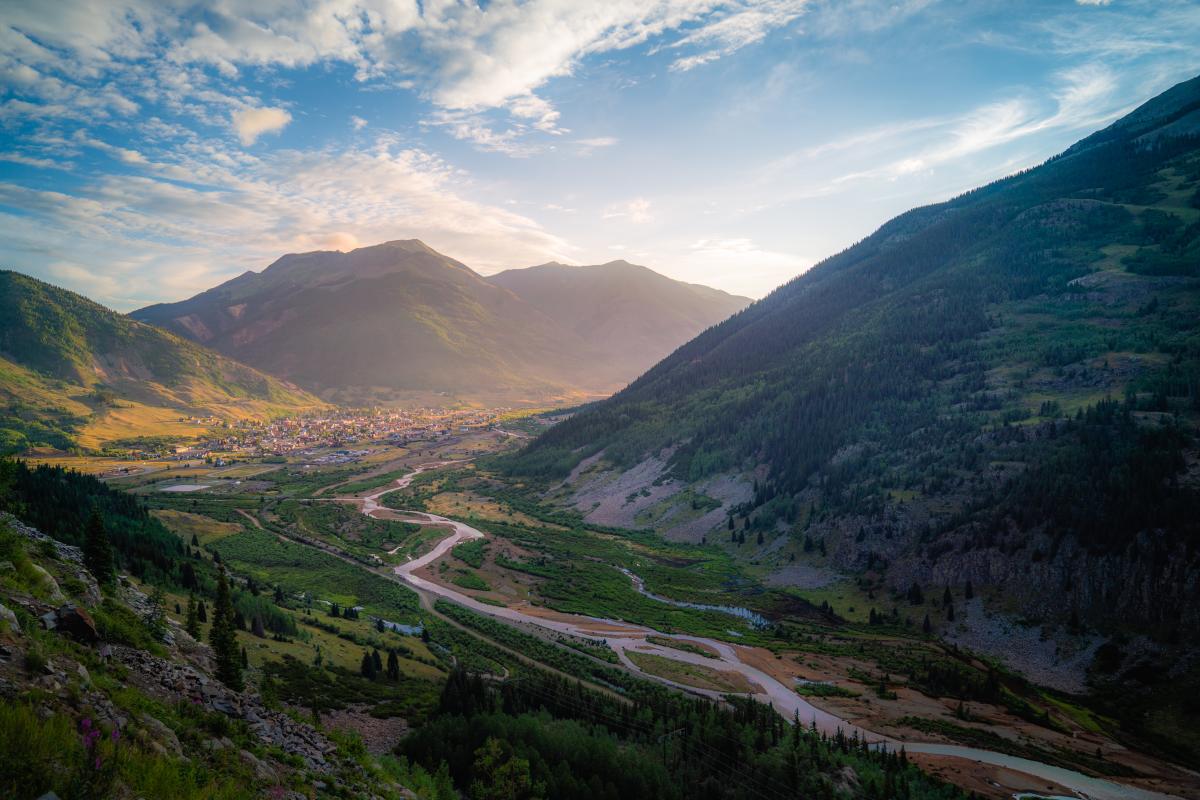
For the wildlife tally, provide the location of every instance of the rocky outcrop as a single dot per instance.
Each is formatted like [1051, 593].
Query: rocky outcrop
[72, 621]
[170, 680]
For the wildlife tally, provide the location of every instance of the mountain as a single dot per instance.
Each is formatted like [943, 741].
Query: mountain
[1000, 391]
[402, 320]
[75, 373]
[632, 315]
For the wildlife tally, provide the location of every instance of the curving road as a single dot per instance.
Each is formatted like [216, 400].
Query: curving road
[624, 637]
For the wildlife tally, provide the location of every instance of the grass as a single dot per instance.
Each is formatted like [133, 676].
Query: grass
[695, 675]
[824, 690]
[471, 553]
[298, 568]
[186, 524]
[683, 645]
[469, 580]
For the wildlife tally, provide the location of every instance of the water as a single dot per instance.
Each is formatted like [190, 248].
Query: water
[754, 619]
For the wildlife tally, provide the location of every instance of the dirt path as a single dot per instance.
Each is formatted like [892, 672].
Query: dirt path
[253, 519]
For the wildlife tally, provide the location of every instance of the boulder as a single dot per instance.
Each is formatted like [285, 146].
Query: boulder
[47, 587]
[7, 617]
[77, 623]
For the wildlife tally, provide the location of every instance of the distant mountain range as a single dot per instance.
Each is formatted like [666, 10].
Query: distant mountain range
[400, 320]
[75, 373]
[1000, 391]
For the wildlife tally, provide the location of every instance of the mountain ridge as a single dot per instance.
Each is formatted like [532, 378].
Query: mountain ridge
[73, 372]
[1000, 391]
[322, 319]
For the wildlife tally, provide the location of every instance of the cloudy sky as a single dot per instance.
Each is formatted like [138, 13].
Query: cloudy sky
[150, 149]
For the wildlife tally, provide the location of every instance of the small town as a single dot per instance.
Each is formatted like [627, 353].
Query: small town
[335, 428]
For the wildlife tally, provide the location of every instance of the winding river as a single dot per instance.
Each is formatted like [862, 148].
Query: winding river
[624, 637]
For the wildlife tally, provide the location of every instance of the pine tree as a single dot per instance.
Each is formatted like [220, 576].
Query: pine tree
[202, 612]
[927, 626]
[393, 666]
[97, 552]
[968, 591]
[947, 598]
[367, 668]
[376, 662]
[192, 620]
[245, 659]
[223, 639]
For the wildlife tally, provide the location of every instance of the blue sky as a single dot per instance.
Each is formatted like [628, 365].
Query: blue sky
[150, 149]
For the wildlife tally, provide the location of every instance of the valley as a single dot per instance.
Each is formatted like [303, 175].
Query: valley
[918, 524]
[530, 568]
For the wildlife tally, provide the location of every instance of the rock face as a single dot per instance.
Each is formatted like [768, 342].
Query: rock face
[170, 680]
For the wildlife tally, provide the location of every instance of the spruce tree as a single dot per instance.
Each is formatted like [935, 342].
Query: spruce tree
[202, 612]
[376, 662]
[393, 666]
[97, 552]
[223, 639]
[367, 668]
[192, 620]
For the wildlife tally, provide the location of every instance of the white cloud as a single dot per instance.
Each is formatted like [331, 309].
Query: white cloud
[732, 29]
[146, 237]
[357, 122]
[250, 123]
[636, 211]
[464, 58]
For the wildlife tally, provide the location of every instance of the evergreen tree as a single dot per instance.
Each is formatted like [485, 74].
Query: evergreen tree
[376, 662]
[968, 591]
[156, 616]
[947, 598]
[202, 612]
[379, 626]
[97, 552]
[245, 659]
[223, 639]
[393, 666]
[367, 668]
[927, 626]
[192, 620]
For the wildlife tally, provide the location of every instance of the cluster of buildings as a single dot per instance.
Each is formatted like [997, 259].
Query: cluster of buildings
[338, 429]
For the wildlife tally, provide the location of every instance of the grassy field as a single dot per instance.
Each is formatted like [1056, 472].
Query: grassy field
[206, 529]
[691, 674]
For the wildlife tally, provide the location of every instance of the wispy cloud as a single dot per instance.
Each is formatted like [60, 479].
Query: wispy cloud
[636, 211]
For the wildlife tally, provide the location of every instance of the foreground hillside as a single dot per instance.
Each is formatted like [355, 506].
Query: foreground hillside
[999, 392]
[73, 373]
[402, 321]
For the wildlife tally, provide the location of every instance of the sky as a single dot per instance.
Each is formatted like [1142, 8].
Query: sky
[150, 149]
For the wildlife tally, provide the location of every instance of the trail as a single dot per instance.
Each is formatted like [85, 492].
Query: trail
[624, 637]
